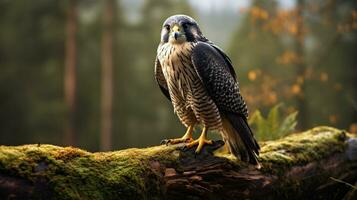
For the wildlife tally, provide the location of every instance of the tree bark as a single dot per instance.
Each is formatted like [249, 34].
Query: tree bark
[303, 117]
[107, 76]
[70, 73]
[299, 166]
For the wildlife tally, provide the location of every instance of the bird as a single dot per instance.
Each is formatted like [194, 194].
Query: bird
[198, 78]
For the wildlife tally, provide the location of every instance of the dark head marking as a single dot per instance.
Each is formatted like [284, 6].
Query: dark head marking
[190, 28]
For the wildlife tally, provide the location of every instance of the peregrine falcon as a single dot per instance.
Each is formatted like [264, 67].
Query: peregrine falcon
[200, 81]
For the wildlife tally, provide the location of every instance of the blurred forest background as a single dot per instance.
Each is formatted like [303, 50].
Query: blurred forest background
[80, 72]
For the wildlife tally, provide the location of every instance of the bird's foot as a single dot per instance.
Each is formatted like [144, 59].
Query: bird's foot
[200, 141]
[187, 138]
[177, 140]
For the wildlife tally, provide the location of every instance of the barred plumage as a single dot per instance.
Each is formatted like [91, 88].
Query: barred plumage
[188, 95]
[199, 79]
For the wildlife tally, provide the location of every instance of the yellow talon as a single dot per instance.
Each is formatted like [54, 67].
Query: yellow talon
[201, 141]
[184, 139]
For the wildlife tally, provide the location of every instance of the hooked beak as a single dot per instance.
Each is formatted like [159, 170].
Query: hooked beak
[176, 33]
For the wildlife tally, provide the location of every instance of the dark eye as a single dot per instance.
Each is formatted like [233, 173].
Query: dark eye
[167, 27]
[184, 26]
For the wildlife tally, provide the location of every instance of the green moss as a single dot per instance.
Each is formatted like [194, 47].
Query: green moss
[129, 174]
[301, 148]
[77, 174]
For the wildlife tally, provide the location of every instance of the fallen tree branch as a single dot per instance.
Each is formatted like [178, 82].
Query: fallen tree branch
[298, 166]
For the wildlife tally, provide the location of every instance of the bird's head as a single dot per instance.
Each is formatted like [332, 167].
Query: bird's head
[178, 29]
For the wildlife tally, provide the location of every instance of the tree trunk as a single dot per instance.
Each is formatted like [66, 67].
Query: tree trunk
[70, 74]
[299, 166]
[107, 76]
[301, 66]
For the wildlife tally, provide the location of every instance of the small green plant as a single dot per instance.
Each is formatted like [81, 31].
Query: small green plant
[274, 126]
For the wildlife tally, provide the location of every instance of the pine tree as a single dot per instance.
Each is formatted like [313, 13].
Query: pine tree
[107, 76]
[70, 73]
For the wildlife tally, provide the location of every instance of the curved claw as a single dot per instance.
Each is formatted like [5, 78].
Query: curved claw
[185, 148]
[165, 142]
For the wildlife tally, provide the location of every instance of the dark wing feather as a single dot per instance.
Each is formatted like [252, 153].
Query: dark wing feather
[215, 71]
[160, 79]
[227, 60]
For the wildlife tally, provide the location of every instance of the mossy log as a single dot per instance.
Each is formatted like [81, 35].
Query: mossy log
[298, 166]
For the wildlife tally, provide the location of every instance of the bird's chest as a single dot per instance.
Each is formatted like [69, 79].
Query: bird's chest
[178, 70]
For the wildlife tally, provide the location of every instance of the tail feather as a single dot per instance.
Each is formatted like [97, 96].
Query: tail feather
[239, 138]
